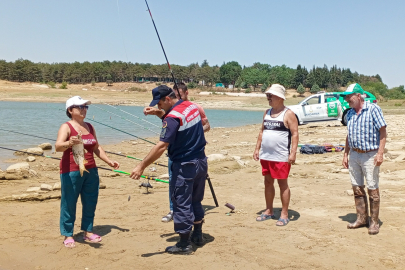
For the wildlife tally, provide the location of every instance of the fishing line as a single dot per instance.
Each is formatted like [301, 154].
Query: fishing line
[126, 119]
[117, 130]
[168, 64]
[122, 35]
[118, 154]
[132, 115]
[122, 131]
[103, 168]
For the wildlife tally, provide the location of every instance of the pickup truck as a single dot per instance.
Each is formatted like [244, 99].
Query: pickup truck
[325, 106]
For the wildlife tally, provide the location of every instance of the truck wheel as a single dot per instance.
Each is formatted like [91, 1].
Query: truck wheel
[344, 117]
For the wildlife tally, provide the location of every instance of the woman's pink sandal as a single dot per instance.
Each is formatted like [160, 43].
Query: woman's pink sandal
[93, 238]
[69, 243]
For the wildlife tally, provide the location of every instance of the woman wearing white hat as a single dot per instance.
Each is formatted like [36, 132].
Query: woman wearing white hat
[72, 183]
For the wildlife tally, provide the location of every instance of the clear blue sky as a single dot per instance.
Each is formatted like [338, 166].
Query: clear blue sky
[366, 36]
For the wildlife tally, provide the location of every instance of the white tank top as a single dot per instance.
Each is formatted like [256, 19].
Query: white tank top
[276, 139]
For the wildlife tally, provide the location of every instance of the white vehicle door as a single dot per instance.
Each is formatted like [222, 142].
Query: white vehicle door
[312, 109]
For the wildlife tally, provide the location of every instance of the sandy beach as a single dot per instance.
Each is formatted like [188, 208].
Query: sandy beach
[135, 238]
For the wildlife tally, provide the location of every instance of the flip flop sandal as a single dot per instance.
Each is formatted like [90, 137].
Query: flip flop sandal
[69, 243]
[93, 238]
[264, 217]
[283, 220]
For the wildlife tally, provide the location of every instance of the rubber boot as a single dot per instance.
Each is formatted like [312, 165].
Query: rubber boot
[197, 236]
[374, 197]
[360, 200]
[183, 247]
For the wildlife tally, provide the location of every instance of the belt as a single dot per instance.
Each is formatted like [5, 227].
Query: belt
[361, 151]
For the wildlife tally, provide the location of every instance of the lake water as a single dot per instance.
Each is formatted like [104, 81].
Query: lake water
[44, 120]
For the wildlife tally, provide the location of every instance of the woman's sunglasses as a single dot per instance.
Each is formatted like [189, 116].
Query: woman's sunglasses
[81, 107]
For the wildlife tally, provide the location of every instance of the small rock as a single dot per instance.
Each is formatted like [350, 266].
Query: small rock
[33, 189]
[2, 175]
[349, 192]
[214, 141]
[57, 186]
[164, 177]
[45, 146]
[102, 186]
[134, 143]
[224, 152]
[215, 157]
[112, 174]
[13, 176]
[30, 159]
[18, 167]
[46, 187]
[385, 150]
[34, 150]
[344, 170]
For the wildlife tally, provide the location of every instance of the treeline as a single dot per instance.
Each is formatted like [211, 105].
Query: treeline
[256, 77]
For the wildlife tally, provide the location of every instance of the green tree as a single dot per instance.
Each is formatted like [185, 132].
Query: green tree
[315, 89]
[300, 76]
[300, 89]
[230, 72]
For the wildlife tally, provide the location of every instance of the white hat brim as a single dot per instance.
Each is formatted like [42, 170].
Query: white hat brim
[275, 93]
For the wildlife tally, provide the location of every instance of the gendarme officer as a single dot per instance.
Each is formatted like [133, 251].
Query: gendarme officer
[183, 135]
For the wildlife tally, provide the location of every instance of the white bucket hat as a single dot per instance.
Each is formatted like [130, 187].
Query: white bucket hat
[76, 100]
[277, 90]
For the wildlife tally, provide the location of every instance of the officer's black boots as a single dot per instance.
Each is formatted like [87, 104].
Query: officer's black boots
[197, 236]
[183, 247]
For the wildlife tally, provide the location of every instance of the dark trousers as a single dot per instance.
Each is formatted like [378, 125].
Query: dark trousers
[187, 192]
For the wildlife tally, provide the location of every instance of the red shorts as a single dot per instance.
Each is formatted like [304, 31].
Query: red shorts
[276, 169]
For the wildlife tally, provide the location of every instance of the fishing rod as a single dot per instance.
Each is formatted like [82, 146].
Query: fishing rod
[159, 164]
[103, 168]
[126, 119]
[122, 155]
[26, 134]
[122, 131]
[178, 92]
[117, 129]
[168, 64]
[132, 115]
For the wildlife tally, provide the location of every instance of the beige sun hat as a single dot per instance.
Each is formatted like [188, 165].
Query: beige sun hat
[277, 90]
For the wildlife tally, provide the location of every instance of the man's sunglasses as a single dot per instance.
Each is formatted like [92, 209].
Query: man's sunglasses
[81, 107]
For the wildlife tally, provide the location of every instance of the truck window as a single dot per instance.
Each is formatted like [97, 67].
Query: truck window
[330, 98]
[313, 100]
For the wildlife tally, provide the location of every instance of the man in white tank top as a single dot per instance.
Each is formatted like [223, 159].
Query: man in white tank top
[276, 148]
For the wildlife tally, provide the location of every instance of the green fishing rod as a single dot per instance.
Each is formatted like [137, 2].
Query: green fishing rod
[122, 155]
[103, 168]
[126, 119]
[132, 115]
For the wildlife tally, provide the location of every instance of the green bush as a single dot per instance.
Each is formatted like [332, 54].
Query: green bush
[248, 90]
[301, 89]
[315, 89]
[158, 83]
[192, 85]
[263, 87]
[243, 85]
[93, 82]
[63, 85]
[52, 84]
